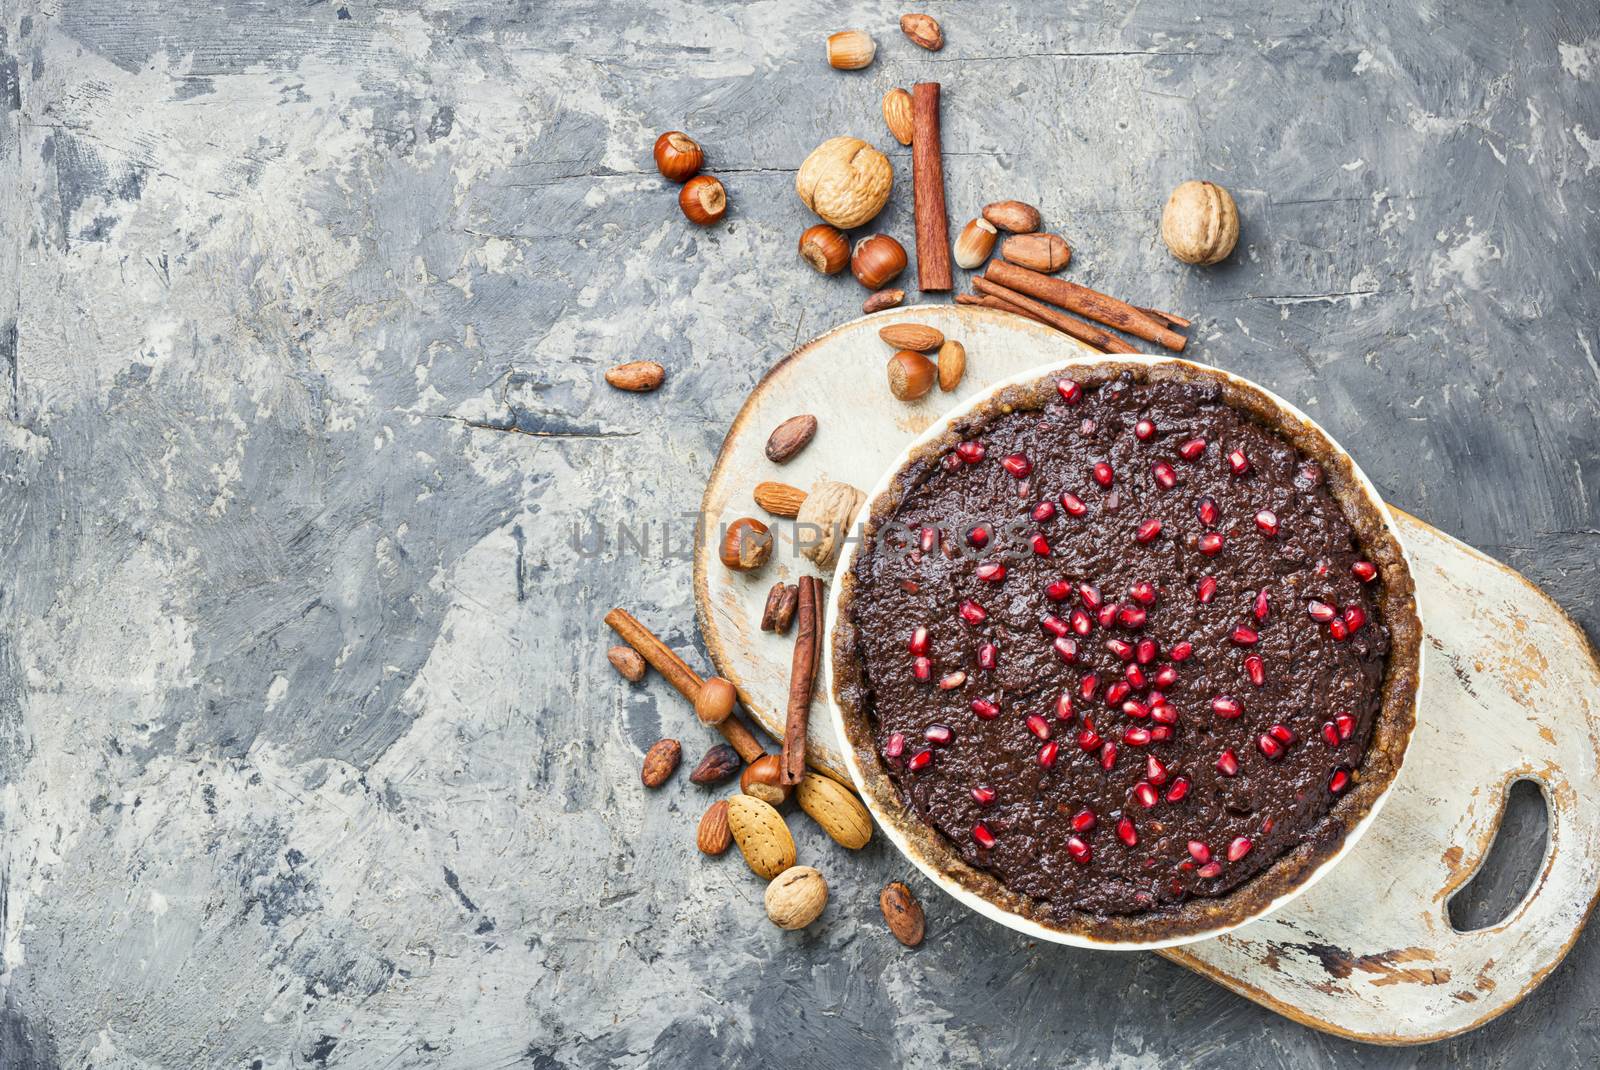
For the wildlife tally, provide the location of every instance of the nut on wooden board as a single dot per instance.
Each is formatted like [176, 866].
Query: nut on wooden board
[790, 437]
[952, 365]
[883, 299]
[917, 336]
[796, 897]
[763, 838]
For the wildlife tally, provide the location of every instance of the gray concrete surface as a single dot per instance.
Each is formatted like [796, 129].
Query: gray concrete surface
[310, 754]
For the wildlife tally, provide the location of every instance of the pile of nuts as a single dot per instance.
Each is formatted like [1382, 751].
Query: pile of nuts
[911, 373]
[679, 159]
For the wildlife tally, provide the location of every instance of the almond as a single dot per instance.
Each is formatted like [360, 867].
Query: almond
[762, 836]
[897, 113]
[639, 376]
[627, 661]
[790, 437]
[952, 365]
[660, 761]
[796, 897]
[720, 764]
[1015, 216]
[883, 299]
[713, 836]
[903, 913]
[835, 809]
[923, 30]
[915, 336]
[1041, 252]
[779, 499]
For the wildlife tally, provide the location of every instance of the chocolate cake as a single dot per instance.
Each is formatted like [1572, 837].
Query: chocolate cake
[1128, 652]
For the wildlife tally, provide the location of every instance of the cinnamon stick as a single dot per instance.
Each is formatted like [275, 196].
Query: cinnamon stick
[1175, 322]
[1080, 330]
[802, 675]
[680, 676]
[990, 301]
[1091, 304]
[927, 189]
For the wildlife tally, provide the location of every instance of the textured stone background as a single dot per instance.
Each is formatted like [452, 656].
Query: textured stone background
[310, 754]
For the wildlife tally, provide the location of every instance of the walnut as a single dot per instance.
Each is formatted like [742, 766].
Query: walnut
[1200, 223]
[845, 181]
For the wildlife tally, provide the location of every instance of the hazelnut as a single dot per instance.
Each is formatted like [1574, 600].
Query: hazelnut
[877, 260]
[762, 779]
[825, 248]
[851, 50]
[974, 243]
[911, 375]
[897, 113]
[715, 700]
[845, 181]
[678, 156]
[746, 545]
[1200, 223]
[703, 200]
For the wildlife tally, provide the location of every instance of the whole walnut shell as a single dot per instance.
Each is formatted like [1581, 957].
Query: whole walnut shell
[845, 181]
[795, 897]
[1200, 223]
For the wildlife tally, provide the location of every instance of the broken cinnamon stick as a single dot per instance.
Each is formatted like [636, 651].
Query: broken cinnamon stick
[990, 301]
[1088, 303]
[1083, 332]
[802, 673]
[1177, 323]
[927, 189]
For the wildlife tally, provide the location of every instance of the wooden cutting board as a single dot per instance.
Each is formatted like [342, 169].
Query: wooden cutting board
[1511, 691]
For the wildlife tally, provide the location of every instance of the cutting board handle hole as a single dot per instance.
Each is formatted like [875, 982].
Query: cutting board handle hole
[1512, 863]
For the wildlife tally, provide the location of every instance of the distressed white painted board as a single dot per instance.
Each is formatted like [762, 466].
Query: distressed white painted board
[1511, 690]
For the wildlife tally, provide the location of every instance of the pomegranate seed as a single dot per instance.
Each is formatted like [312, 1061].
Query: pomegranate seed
[1154, 771]
[1104, 474]
[1073, 504]
[1087, 685]
[1081, 623]
[919, 641]
[1365, 571]
[1181, 651]
[1321, 612]
[1043, 511]
[1090, 595]
[1127, 833]
[978, 536]
[1089, 740]
[1136, 709]
[983, 796]
[1262, 607]
[1041, 545]
[1149, 530]
[1238, 848]
[922, 669]
[1206, 590]
[1135, 676]
[1244, 636]
[1069, 390]
[1064, 706]
[1228, 763]
[920, 760]
[927, 539]
[950, 462]
[951, 681]
[1180, 788]
[1267, 521]
[1192, 449]
[1330, 734]
[1209, 870]
[988, 655]
[1145, 794]
[1160, 733]
[986, 709]
[1131, 617]
[1047, 754]
[1083, 821]
[1266, 826]
[1226, 706]
[1081, 852]
[1107, 616]
[990, 572]
[1268, 746]
[1142, 592]
[1281, 733]
[1162, 713]
[1339, 781]
[1207, 509]
[971, 452]
[1018, 465]
[1210, 543]
[1108, 756]
[981, 834]
[1053, 624]
[1354, 618]
[1038, 726]
[972, 612]
[1339, 630]
[1058, 591]
[1166, 676]
[1136, 737]
[1121, 648]
[1199, 851]
[1238, 462]
[1256, 669]
[1345, 724]
[1165, 475]
[1067, 648]
[894, 745]
[1117, 692]
[1146, 651]
[938, 734]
